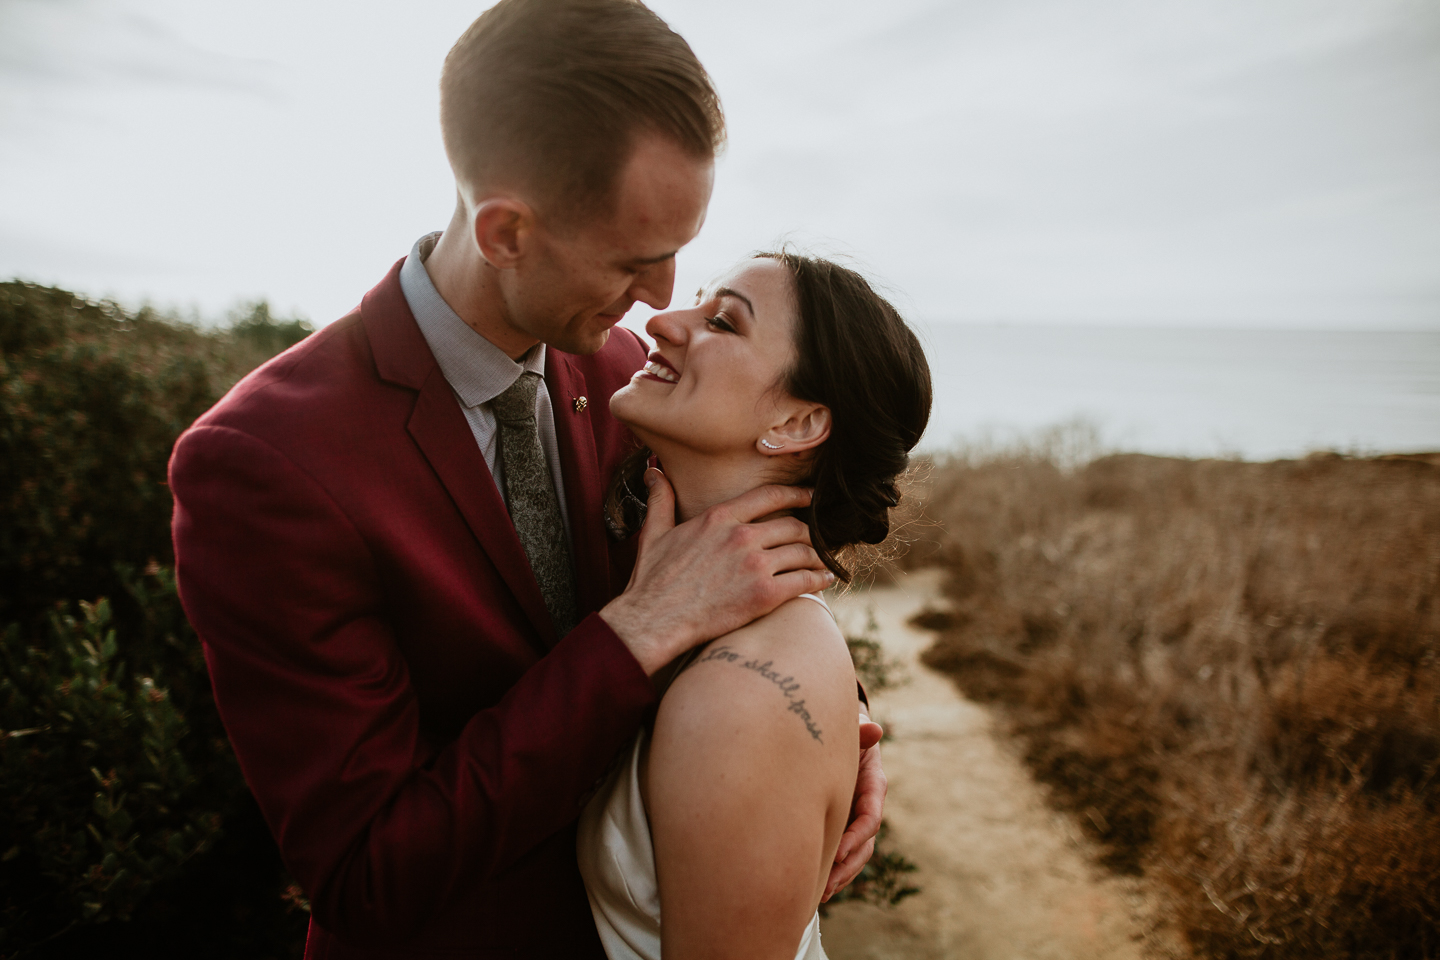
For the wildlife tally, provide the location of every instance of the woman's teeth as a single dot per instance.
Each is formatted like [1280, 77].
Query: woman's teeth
[661, 371]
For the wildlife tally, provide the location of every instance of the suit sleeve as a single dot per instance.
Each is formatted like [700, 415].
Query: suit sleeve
[379, 827]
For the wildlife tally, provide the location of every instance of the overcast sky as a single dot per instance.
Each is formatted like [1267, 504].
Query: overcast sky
[1209, 162]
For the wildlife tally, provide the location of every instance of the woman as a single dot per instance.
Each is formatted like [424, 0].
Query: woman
[728, 813]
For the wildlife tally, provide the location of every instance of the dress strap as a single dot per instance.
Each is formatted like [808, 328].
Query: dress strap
[820, 600]
[859, 687]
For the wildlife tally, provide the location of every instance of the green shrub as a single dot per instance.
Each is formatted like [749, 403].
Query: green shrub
[873, 668]
[100, 801]
[883, 879]
[262, 333]
[124, 822]
[92, 399]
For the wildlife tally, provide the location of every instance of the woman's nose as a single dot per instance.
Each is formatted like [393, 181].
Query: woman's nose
[672, 326]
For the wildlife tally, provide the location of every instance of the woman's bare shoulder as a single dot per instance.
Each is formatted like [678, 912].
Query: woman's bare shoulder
[790, 667]
[749, 779]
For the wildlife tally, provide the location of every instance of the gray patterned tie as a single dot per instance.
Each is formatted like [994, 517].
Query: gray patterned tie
[534, 508]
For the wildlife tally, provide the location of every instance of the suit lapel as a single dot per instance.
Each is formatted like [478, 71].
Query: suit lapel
[584, 487]
[440, 429]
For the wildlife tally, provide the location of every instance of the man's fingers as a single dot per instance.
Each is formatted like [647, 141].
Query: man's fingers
[660, 510]
[863, 828]
[793, 556]
[868, 805]
[870, 788]
[856, 846]
[842, 872]
[781, 530]
[763, 501]
[792, 584]
[871, 733]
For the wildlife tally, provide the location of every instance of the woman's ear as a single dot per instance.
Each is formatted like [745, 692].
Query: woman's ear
[807, 427]
[502, 227]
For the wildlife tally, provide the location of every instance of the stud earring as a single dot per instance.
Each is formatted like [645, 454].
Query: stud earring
[770, 446]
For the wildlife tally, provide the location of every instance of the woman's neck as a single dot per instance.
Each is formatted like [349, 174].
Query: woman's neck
[701, 481]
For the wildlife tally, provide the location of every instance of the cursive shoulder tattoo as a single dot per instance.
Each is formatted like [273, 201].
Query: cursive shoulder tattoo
[787, 685]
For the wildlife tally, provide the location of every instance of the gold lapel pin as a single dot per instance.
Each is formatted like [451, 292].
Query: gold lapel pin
[580, 404]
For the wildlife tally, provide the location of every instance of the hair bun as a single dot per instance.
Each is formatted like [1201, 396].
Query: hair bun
[876, 529]
[874, 506]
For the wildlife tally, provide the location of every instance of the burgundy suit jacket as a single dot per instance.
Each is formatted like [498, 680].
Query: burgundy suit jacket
[377, 640]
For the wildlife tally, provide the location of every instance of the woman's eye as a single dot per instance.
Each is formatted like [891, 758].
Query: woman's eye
[719, 322]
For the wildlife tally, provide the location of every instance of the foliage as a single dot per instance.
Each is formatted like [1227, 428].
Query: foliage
[91, 400]
[1230, 672]
[882, 880]
[873, 669]
[124, 821]
[267, 335]
[100, 802]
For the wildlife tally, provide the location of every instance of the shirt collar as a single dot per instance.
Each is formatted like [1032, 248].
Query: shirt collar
[476, 369]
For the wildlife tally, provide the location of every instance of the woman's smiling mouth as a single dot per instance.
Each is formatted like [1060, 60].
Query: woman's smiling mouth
[658, 369]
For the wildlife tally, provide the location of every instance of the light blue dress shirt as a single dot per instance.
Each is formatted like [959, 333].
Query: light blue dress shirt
[477, 370]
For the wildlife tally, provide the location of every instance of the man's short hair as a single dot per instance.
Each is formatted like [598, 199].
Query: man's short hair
[550, 95]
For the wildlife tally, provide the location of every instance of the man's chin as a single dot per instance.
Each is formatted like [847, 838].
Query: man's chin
[583, 344]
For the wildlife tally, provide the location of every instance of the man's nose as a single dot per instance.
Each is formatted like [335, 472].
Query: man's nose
[655, 285]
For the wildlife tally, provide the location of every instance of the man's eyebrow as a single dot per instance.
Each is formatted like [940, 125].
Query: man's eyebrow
[651, 261]
[727, 292]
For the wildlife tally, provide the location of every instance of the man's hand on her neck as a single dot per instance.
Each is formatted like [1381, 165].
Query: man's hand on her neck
[714, 573]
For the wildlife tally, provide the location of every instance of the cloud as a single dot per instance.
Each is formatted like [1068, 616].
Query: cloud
[77, 43]
[1126, 160]
[1138, 161]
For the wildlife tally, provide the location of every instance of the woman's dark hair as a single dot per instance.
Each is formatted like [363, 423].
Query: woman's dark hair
[855, 355]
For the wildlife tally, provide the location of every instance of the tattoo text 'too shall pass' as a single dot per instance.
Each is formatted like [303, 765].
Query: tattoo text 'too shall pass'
[786, 685]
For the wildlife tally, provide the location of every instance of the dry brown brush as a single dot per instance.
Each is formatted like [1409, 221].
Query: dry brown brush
[1229, 671]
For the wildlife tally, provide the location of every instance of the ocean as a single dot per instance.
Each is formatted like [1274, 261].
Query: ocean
[1249, 394]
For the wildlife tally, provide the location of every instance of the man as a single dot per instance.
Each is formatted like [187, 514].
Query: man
[390, 538]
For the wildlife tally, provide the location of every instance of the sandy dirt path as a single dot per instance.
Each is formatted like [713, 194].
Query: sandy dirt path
[1003, 876]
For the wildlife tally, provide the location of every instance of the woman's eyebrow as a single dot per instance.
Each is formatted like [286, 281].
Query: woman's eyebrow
[727, 292]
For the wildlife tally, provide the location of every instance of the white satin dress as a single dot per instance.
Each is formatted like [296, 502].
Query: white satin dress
[617, 861]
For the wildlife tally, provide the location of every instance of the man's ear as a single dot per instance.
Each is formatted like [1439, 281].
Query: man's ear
[502, 230]
[807, 426]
